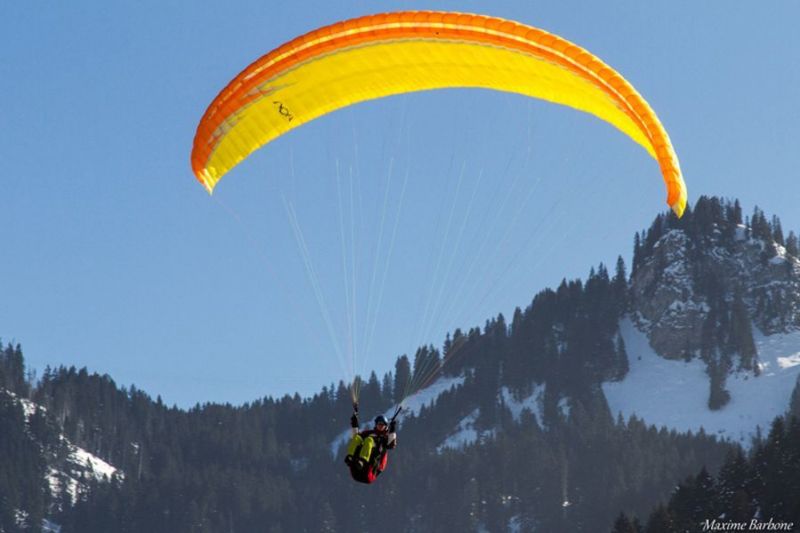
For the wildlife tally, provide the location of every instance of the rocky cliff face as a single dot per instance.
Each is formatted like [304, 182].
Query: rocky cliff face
[685, 277]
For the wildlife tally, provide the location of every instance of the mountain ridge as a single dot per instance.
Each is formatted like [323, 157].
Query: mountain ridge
[506, 465]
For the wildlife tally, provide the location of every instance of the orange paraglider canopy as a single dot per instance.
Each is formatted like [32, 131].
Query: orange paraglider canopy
[380, 55]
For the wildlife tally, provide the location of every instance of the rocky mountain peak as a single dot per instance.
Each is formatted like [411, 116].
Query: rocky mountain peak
[699, 283]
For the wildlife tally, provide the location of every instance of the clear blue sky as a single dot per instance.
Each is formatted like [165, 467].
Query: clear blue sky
[115, 258]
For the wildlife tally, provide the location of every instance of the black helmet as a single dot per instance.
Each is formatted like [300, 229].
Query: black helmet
[380, 419]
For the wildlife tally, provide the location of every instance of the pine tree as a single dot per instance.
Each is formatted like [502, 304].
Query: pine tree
[759, 225]
[624, 525]
[637, 253]
[620, 285]
[12, 370]
[734, 487]
[621, 357]
[427, 364]
[387, 390]
[794, 404]
[792, 245]
[706, 503]
[718, 397]
[742, 335]
[737, 212]
[777, 464]
[661, 521]
[371, 394]
[777, 230]
[402, 378]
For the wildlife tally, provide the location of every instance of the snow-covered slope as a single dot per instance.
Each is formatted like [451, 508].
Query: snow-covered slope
[465, 434]
[73, 472]
[428, 395]
[674, 393]
[79, 468]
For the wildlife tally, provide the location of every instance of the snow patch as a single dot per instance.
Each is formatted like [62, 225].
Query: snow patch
[61, 483]
[80, 467]
[100, 469]
[681, 306]
[789, 361]
[564, 406]
[466, 434]
[674, 393]
[340, 441]
[427, 396]
[21, 518]
[50, 527]
[533, 403]
[29, 407]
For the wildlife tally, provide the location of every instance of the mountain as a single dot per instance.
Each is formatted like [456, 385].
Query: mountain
[713, 287]
[596, 399]
[709, 273]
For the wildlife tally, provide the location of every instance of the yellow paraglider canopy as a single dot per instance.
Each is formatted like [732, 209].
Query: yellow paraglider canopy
[381, 55]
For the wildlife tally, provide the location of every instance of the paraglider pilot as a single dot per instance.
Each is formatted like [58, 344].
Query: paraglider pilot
[367, 452]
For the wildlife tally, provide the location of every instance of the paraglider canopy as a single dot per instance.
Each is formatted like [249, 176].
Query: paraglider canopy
[380, 55]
